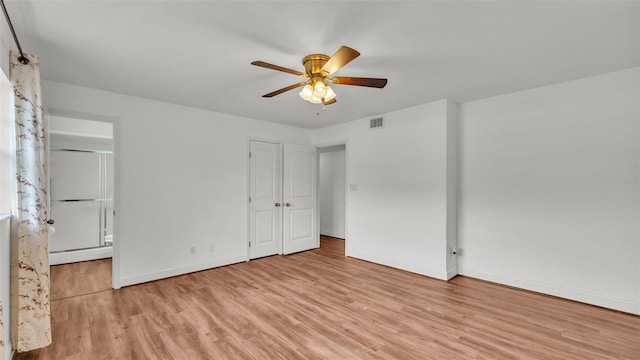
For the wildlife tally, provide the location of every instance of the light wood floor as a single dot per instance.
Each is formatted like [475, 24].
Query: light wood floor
[321, 305]
[80, 278]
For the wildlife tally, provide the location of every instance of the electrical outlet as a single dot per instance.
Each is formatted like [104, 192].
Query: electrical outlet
[192, 250]
[212, 247]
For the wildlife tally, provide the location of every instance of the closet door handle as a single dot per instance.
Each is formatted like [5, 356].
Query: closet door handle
[51, 221]
[277, 204]
[287, 204]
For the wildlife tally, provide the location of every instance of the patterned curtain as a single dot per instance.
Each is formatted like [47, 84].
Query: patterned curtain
[31, 315]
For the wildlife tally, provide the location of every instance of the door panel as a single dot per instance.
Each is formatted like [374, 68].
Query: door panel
[77, 225]
[265, 226]
[301, 174]
[75, 202]
[74, 175]
[301, 223]
[265, 191]
[300, 230]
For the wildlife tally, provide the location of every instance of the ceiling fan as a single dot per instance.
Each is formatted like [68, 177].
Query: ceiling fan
[318, 69]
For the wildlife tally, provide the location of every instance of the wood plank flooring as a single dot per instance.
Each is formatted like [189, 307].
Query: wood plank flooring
[80, 278]
[320, 305]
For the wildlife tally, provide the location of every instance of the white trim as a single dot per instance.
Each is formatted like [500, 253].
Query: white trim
[332, 234]
[345, 142]
[246, 197]
[418, 269]
[346, 198]
[163, 274]
[8, 351]
[115, 121]
[117, 193]
[316, 228]
[281, 222]
[80, 255]
[451, 273]
[78, 134]
[550, 289]
[331, 144]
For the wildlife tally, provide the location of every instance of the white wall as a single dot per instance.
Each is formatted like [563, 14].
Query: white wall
[332, 192]
[5, 144]
[550, 188]
[181, 178]
[452, 188]
[5, 287]
[6, 43]
[5, 198]
[398, 215]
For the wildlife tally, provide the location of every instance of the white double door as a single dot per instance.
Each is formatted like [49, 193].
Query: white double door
[283, 206]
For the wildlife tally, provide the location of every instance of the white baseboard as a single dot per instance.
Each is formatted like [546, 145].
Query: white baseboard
[163, 274]
[334, 234]
[418, 269]
[550, 289]
[80, 255]
[451, 273]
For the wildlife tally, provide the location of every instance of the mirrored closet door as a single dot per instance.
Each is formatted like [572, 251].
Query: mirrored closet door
[81, 190]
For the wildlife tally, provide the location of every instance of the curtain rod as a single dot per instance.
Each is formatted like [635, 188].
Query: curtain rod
[23, 59]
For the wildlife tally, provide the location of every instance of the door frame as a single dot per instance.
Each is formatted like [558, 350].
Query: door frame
[248, 190]
[346, 187]
[117, 156]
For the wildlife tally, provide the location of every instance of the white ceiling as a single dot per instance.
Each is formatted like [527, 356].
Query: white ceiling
[198, 53]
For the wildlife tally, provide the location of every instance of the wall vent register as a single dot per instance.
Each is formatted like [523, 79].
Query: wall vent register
[376, 123]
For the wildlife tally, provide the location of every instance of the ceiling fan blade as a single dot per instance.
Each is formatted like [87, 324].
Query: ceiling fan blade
[359, 81]
[332, 101]
[342, 57]
[285, 89]
[278, 68]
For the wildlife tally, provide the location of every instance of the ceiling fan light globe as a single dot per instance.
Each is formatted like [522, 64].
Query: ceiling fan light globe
[330, 95]
[306, 92]
[315, 100]
[319, 89]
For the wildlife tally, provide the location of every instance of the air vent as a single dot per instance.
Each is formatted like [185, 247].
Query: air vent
[376, 123]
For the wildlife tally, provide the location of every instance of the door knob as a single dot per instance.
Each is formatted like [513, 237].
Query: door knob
[287, 204]
[277, 204]
[51, 221]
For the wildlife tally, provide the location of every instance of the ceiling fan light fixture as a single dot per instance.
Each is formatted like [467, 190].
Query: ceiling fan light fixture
[309, 93]
[315, 100]
[330, 95]
[306, 93]
[318, 69]
[319, 88]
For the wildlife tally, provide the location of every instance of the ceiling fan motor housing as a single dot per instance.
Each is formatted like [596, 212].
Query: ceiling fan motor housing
[313, 64]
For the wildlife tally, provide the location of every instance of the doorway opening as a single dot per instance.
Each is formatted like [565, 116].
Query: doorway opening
[81, 192]
[332, 195]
